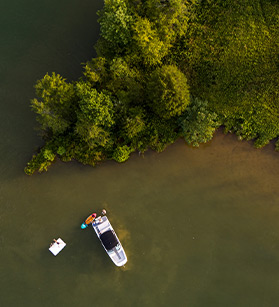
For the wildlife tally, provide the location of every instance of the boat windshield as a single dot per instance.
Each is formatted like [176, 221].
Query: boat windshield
[109, 239]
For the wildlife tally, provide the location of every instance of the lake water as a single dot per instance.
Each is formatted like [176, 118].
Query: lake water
[199, 226]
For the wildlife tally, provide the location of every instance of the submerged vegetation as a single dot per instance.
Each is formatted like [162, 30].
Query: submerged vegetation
[165, 69]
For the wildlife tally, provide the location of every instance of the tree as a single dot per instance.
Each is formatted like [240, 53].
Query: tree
[56, 110]
[115, 21]
[197, 123]
[135, 94]
[161, 132]
[169, 16]
[95, 115]
[134, 123]
[95, 72]
[168, 91]
[121, 153]
[147, 48]
[125, 81]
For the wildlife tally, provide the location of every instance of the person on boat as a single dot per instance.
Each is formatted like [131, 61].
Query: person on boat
[55, 241]
[104, 212]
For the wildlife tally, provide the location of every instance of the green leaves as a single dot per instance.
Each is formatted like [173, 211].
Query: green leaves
[255, 122]
[55, 111]
[115, 21]
[170, 17]
[121, 153]
[95, 115]
[198, 123]
[95, 71]
[168, 91]
[136, 94]
[125, 82]
[95, 108]
[148, 48]
[134, 124]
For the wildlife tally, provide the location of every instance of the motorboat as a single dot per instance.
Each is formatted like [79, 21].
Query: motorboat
[109, 240]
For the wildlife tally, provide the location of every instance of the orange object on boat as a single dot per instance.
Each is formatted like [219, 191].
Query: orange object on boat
[90, 218]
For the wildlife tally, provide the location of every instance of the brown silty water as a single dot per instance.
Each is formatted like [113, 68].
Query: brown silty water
[199, 226]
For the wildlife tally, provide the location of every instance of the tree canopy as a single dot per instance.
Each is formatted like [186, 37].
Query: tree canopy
[165, 69]
[168, 91]
[55, 110]
[115, 22]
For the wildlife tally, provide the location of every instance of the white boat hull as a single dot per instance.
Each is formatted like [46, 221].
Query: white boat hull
[109, 240]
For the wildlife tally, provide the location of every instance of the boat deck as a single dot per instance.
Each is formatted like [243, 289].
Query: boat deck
[102, 228]
[102, 225]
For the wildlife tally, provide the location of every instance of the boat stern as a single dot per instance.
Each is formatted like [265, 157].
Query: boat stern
[118, 255]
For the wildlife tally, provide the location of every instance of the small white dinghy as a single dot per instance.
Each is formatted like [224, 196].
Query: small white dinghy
[109, 240]
[56, 246]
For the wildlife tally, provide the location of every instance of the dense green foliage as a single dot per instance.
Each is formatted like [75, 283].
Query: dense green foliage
[168, 92]
[198, 124]
[165, 69]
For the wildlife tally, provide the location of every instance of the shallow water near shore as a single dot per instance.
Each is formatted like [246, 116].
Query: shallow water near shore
[199, 226]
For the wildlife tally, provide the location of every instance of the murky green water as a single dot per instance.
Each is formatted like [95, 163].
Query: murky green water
[200, 226]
